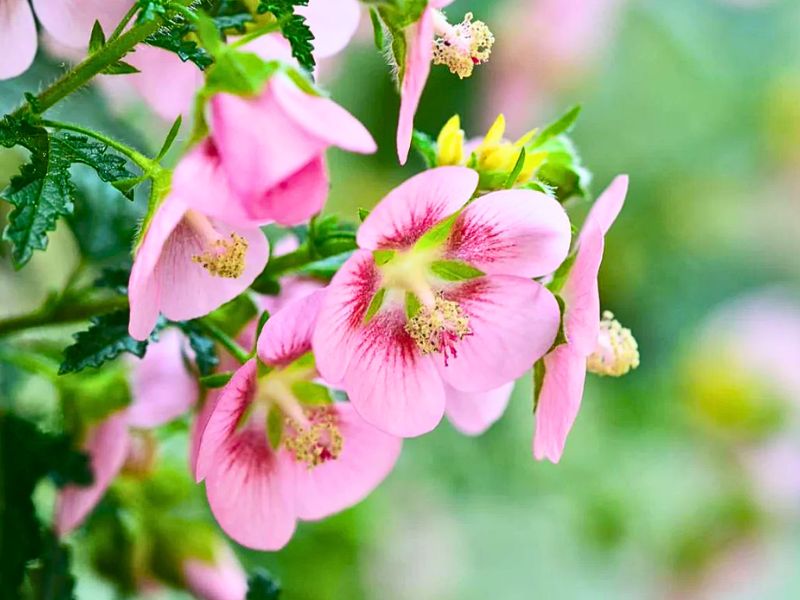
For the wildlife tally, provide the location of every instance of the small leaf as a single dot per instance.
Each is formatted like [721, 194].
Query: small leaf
[377, 28]
[217, 380]
[97, 39]
[454, 270]
[374, 305]
[106, 338]
[308, 392]
[425, 145]
[363, 213]
[173, 133]
[274, 429]
[561, 125]
[438, 234]
[120, 68]
[413, 305]
[514, 174]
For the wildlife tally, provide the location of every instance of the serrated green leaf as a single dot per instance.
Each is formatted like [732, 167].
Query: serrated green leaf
[262, 585]
[455, 270]
[120, 68]
[97, 39]
[438, 234]
[308, 392]
[374, 305]
[204, 348]
[413, 305]
[174, 36]
[217, 380]
[171, 135]
[425, 145]
[106, 338]
[558, 127]
[275, 427]
[293, 27]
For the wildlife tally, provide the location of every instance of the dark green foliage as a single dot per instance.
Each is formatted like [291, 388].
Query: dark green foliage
[106, 338]
[205, 353]
[115, 279]
[27, 455]
[173, 37]
[294, 28]
[262, 585]
[52, 579]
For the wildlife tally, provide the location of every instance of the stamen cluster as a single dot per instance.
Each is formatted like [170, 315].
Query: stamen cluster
[319, 441]
[465, 45]
[225, 258]
[438, 329]
[617, 351]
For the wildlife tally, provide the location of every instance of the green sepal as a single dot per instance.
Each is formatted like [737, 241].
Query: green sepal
[561, 335]
[412, 305]
[240, 73]
[514, 174]
[171, 135]
[438, 234]
[374, 305]
[275, 427]
[381, 257]
[425, 145]
[97, 39]
[329, 236]
[217, 380]
[562, 170]
[262, 320]
[378, 36]
[538, 381]
[455, 270]
[308, 392]
[120, 68]
[562, 273]
[561, 125]
[363, 213]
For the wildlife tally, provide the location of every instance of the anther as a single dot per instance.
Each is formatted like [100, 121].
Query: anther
[224, 258]
[440, 328]
[617, 351]
[317, 442]
[462, 46]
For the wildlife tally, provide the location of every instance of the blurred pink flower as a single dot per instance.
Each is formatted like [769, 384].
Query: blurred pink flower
[565, 366]
[162, 390]
[223, 579]
[327, 459]
[472, 335]
[190, 262]
[69, 22]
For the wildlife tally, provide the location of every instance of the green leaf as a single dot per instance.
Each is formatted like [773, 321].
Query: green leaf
[514, 174]
[563, 124]
[52, 578]
[93, 396]
[262, 585]
[174, 36]
[374, 305]
[106, 338]
[205, 351]
[173, 133]
[396, 16]
[275, 427]
[413, 305]
[563, 171]
[425, 145]
[217, 380]
[293, 27]
[233, 316]
[455, 270]
[363, 213]
[120, 68]
[438, 234]
[240, 73]
[97, 39]
[308, 392]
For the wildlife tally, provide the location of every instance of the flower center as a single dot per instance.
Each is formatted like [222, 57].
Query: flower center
[439, 328]
[408, 271]
[223, 257]
[461, 46]
[617, 351]
[317, 442]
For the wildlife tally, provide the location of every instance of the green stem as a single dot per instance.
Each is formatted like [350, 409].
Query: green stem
[255, 34]
[59, 314]
[122, 24]
[30, 362]
[225, 340]
[148, 165]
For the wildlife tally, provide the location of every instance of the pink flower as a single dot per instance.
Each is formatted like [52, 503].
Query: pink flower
[460, 47]
[189, 262]
[222, 579]
[326, 459]
[70, 23]
[565, 366]
[472, 333]
[333, 23]
[162, 390]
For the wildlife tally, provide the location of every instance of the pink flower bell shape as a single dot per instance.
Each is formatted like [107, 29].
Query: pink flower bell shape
[272, 149]
[316, 459]
[565, 366]
[421, 316]
[190, 263]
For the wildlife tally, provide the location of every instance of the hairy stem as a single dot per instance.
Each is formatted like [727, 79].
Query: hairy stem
[225, 340]
[60, 313]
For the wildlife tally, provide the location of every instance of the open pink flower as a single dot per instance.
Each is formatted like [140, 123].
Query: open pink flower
[565, 366]
[324, 458]
[441, 310]
[70, 23]
[189, 262]
[162, 390]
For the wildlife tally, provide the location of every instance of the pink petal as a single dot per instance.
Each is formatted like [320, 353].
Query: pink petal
[250, 489]
[513, 232]
[368, 456]
[474, 413]
[167, 83]
[224, 579]
[188, 290]
[559, 401]
[226, 411]
[513, 323]
[342, 313]
[581, 295]
[18, 32]
[606, 208]
[294, 200]
[292, 288]
[199, 427]
[419, 53]
[162, 387]
[333, 23]
[287, 334]
[391, 385]
[107, 445]
[416, 205]
[70, 22]
[322, 118]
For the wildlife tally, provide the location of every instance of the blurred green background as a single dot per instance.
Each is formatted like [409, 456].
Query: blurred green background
[699, 102]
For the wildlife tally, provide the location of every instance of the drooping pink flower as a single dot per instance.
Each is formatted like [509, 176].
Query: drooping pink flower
[190, 262]
[326, 459]
[402, 332]
[70, 23]
[222, 579]
[162, 390]
[565, 367]
[333, 23]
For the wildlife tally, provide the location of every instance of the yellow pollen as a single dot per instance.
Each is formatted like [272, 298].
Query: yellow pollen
[224, 258]
[463, 46]
[617, 351]
[438, 329]
[319, 441]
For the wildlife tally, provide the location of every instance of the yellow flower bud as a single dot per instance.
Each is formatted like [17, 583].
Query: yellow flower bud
[450, 143]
